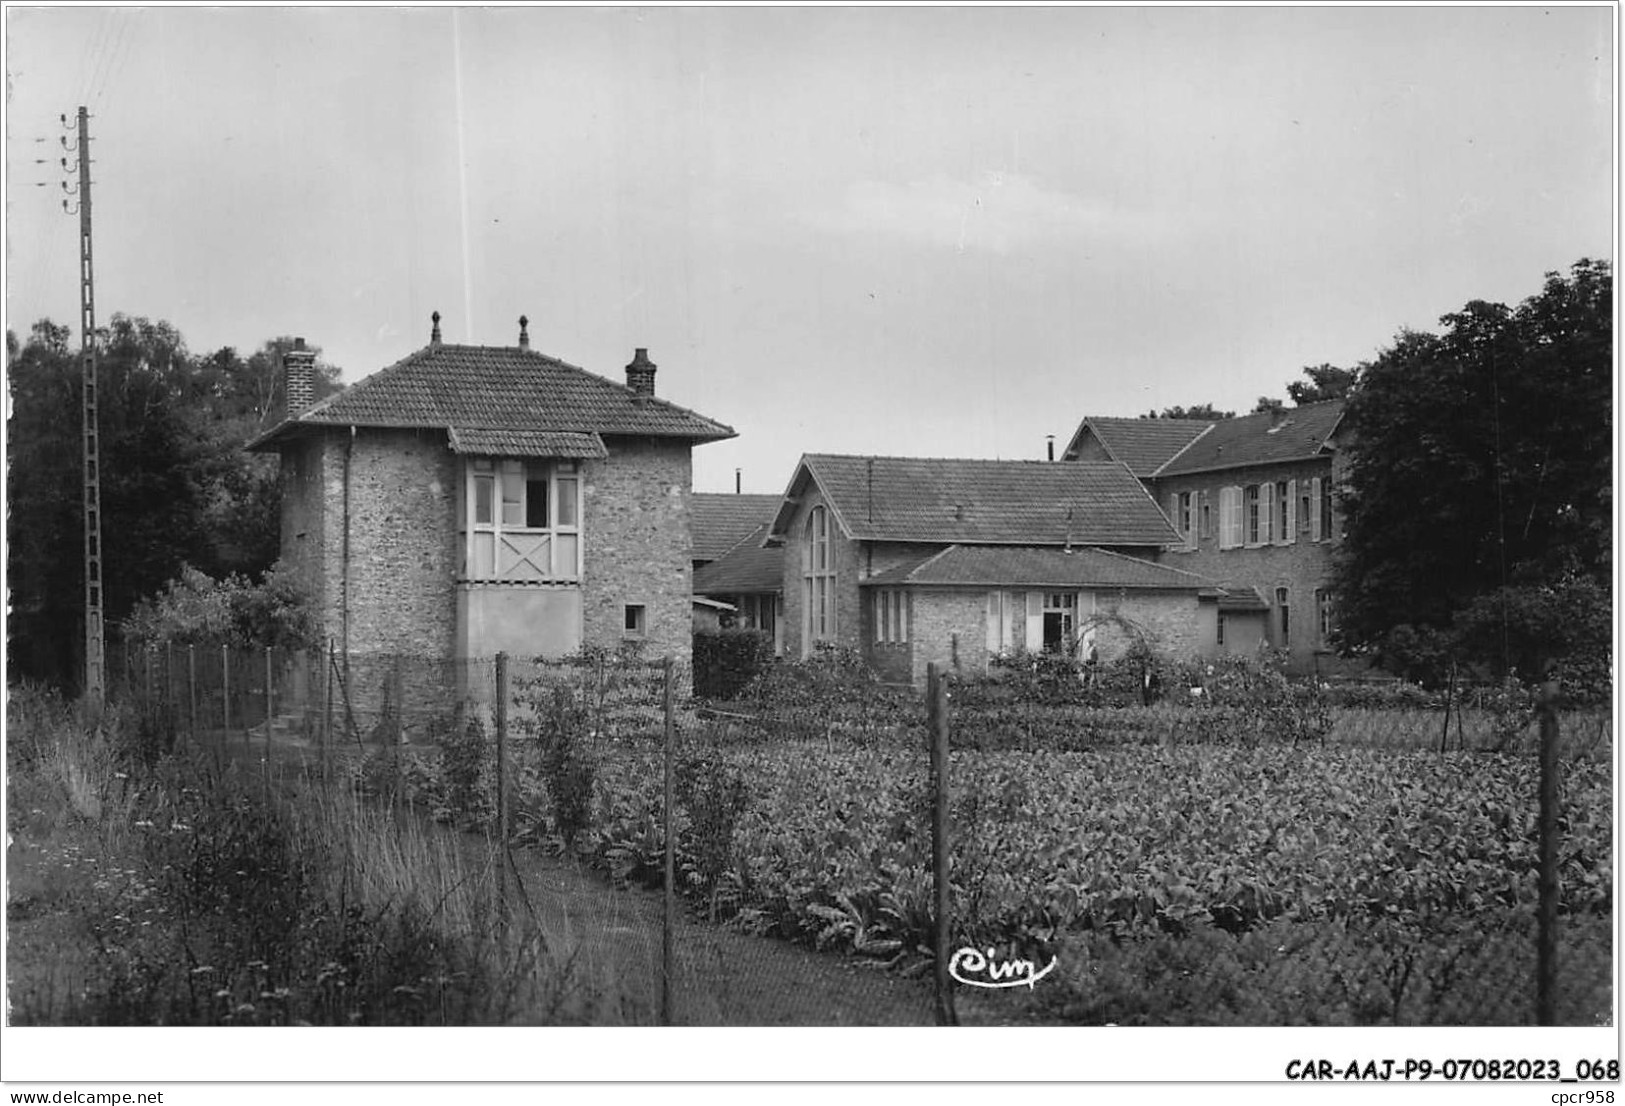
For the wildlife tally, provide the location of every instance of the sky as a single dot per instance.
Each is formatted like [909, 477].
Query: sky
[923, 231]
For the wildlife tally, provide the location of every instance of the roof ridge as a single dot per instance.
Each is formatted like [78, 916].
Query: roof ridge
[1206, 430]
[1157, 564]
[1036, 461]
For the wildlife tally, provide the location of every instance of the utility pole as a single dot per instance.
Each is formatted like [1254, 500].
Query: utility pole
[95, 651]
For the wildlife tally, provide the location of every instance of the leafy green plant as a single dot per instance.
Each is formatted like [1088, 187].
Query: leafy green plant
[567, 768]
[713, 796]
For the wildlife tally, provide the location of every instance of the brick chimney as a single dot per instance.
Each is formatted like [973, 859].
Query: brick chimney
[299, 376]
[640, 374]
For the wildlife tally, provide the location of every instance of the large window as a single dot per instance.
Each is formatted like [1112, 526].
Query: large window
[1256, 519]
[1323, 616]
[521, 521]
[891, 616]
[818, 571]
[1284, 611]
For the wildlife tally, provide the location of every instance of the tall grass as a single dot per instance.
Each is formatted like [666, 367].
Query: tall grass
[201, 893]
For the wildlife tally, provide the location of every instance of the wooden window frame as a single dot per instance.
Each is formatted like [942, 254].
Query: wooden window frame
[497, 476]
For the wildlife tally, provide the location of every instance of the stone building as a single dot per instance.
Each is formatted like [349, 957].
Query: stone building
[475, 499]
[1254, 506]
[913, 560]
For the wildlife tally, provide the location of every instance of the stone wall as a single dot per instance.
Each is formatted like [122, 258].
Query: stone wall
[403, 542]
[637, 545]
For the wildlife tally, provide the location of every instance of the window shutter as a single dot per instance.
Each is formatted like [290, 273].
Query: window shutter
[993, 622]
[1266, 504]
[1035, 622]
[1173, 510]
[1291, 511]
[1315, 521]
[1231, 526]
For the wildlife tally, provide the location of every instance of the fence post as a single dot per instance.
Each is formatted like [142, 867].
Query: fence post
[669, 892]
[936, 701]
[1548, 886]
[502, 787]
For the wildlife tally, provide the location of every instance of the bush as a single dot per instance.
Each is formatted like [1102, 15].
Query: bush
[713, 796]
[726, 661]
[195, 608]
[567, 770]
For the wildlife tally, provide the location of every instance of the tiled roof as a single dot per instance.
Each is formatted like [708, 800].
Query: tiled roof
[1239, 598]
[526, 443]
[746, 569]
[1144, 445]
[1026, 566]
[923, 499]
[496, 388]
[1295, 434]
[719, 521]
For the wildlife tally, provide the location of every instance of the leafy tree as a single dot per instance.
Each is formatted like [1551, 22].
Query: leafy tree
[1268, 403]
[1480, 481]
[176, 487]
[1325, 382]
[1202, 412]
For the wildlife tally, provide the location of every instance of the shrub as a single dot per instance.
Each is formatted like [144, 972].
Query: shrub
[463, 754]
[713, 796]
[195, 608]
[567, 770]
[726, 661]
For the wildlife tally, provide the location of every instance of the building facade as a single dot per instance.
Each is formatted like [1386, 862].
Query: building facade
[470, 500]
[1253, 501]
[914, 560]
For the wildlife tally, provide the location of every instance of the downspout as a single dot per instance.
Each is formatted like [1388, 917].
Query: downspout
[344, 579]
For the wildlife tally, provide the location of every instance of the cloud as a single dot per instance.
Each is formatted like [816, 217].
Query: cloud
[999, 213]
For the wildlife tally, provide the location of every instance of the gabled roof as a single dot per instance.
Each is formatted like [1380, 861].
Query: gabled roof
[1292, 434]
[473, 388]
[748, 568]
[720, 521]
[927, 499]
[1144, 445]
[1041, 567]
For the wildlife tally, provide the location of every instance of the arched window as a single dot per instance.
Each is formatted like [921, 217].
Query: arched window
[818, 571]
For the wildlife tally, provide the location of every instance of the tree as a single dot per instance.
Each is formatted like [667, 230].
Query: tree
[1480, 473]
[1325, 382]
[1202, 412]
[177, 489]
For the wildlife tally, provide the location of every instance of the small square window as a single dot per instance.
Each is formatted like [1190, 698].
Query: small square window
[636, 622]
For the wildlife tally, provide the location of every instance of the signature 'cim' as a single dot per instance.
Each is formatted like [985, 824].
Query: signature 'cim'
[969, 962]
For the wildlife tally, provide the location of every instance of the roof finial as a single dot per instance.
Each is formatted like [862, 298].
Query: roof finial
[434, 335]
[524, 334]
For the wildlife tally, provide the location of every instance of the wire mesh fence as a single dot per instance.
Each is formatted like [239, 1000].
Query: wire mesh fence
[1104, 864]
